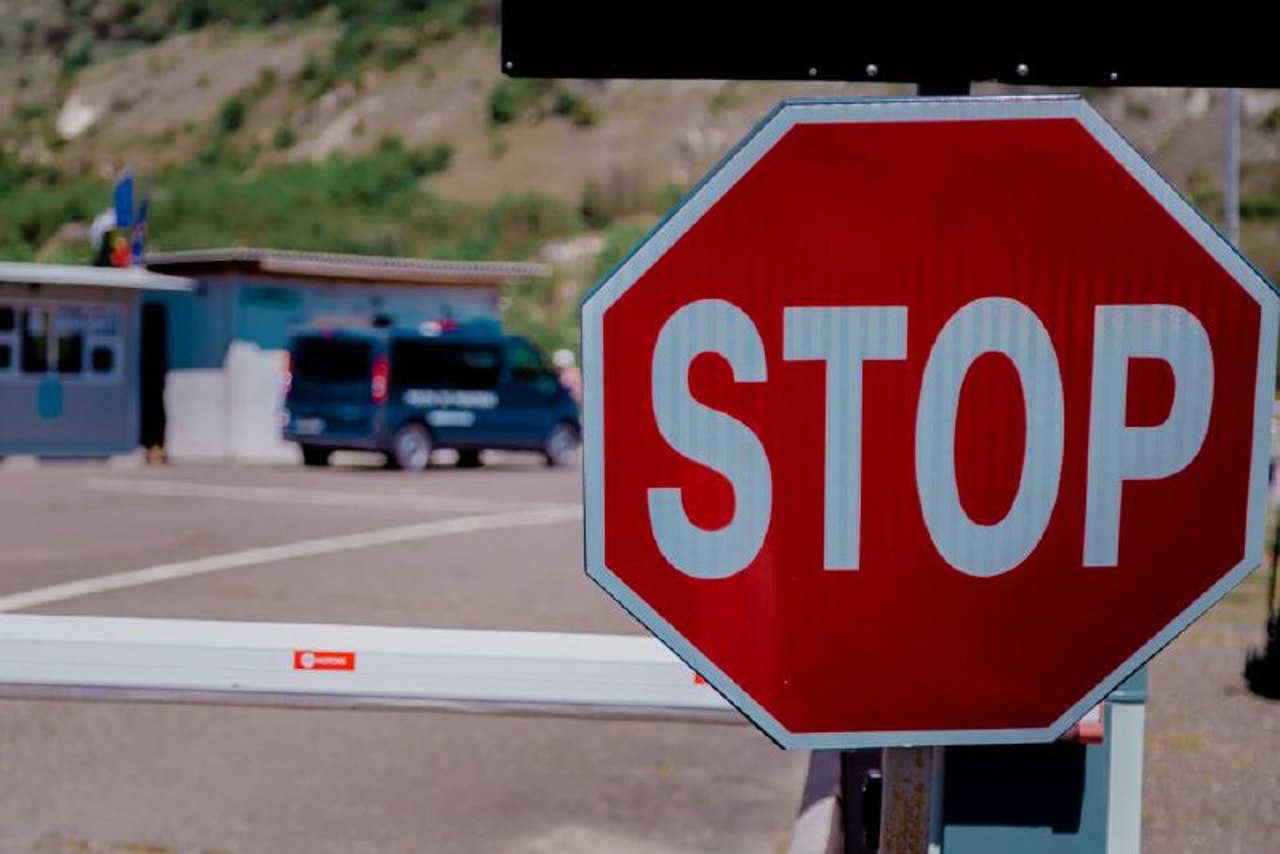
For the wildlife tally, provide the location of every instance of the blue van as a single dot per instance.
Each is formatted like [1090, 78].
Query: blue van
[407, 392]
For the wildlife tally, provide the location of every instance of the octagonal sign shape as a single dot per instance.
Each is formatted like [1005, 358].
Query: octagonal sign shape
[926, 421]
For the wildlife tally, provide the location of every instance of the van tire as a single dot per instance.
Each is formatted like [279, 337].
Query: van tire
[313, 456]
[410, 448]
[470, 459]
[561, 446]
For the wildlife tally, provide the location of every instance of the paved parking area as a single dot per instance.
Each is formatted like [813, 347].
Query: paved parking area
[292, 544]
[81, 777]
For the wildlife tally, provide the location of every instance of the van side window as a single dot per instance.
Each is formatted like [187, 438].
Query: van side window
[526, 364]
[332, 360]
[443, 364]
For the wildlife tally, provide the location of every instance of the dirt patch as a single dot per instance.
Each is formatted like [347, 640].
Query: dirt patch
[157, 105]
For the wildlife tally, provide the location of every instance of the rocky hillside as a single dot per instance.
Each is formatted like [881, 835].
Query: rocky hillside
[374, 126]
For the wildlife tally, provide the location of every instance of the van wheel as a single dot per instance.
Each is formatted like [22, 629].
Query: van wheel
[469, 459]
[313, 456]
[410, 448]
[561, 447]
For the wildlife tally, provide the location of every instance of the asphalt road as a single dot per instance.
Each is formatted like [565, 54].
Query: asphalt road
[151, 779]
[89, 777]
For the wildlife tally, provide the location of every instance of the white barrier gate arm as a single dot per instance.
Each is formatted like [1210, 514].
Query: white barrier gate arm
[365, 667]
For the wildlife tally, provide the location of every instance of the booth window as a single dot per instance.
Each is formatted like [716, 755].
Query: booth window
[8, 320]
[68, 341]
[103, 329]
[35, 341]
[102, 360]
[41, 339]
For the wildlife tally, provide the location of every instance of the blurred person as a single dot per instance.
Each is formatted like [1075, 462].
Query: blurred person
[566, 364]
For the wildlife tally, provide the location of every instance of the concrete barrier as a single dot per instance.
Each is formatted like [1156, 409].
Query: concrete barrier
[255, 405]
[195, 406]
[229, 414]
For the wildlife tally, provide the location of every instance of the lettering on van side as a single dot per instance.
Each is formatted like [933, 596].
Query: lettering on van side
[451, 417]
[461, 399]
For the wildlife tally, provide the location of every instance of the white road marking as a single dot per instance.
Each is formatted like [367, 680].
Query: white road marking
[287, 551]
[314, 497]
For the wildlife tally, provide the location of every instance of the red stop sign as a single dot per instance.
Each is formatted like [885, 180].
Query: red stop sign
[926, 422]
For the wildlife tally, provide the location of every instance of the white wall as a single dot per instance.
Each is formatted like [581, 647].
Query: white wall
[231, 414]
[255, 401]
[195, 405]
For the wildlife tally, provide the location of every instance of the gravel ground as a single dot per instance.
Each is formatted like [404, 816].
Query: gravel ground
[1213, 748]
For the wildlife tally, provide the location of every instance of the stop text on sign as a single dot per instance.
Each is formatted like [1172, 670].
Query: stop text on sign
[849, 340]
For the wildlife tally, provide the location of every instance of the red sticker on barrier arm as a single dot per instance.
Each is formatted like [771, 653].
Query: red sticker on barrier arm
[312, 659]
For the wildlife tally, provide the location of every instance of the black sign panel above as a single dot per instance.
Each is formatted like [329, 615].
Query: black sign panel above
[814, 40]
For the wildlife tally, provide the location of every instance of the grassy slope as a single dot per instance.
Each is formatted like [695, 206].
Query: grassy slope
[158, 104]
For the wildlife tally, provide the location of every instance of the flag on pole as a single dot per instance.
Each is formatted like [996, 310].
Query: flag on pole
[123, 199]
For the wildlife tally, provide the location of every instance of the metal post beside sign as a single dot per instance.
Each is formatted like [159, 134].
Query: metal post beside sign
[1126, 734]
[910, 799]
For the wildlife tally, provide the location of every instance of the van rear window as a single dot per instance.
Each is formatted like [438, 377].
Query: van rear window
[444, 364]
[332, 359]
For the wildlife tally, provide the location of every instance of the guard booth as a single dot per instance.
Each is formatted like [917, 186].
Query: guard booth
[258, 295]
[222, 359]
[70, 343]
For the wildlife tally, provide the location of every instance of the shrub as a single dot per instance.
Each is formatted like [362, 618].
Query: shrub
[192, 14]
[366, 204]
[668, 196]
[578, 110]
[429, 161]
[398, 45]
[395, 55]
[620, 194]
[511, 98]
[265, 83]
[516, 227]
[1260, 207]
[619, 240]
[311, 68]
[33, 212]
[80, 57]
[231, 115]
[316, 77]
[593, 210]
[283, 138]
[566, 102]
[504, 103]
[391, 144]
[30, 111]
